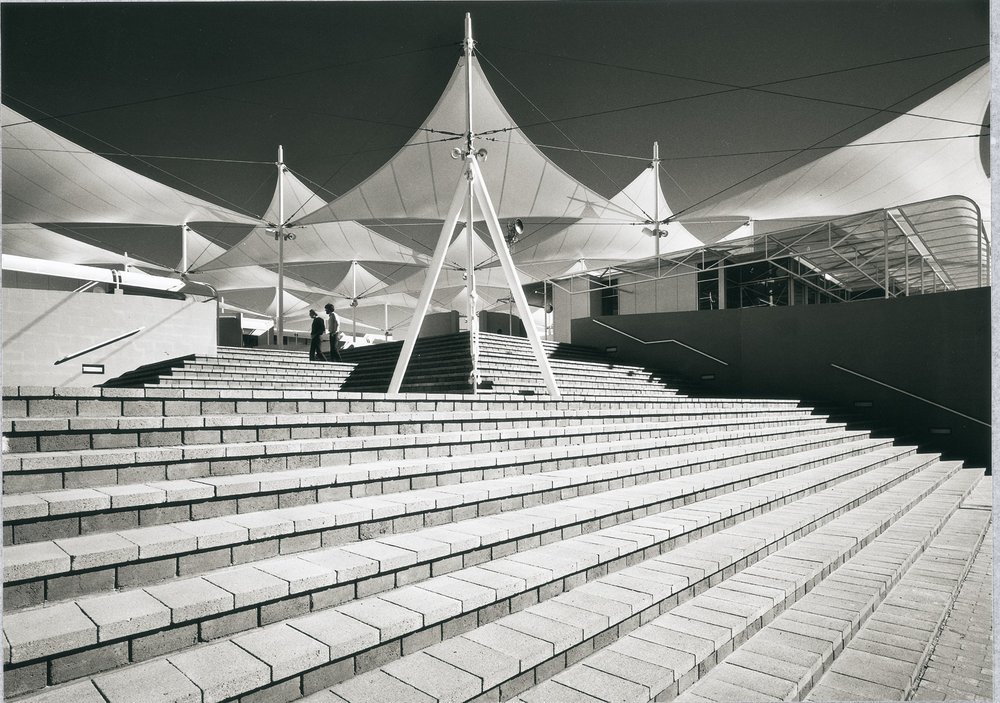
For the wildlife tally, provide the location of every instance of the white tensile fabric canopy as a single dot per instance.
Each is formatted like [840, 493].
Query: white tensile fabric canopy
[38, 242]
[48, 179]
[569, 228]
[924, 154]
[615, 241]
[419, 181]
[330, 241]
[241, 278]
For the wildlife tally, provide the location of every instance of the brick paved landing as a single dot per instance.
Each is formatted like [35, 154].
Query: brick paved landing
[961, 663]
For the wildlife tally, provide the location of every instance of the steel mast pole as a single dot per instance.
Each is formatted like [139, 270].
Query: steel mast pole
[656, 202]
[281, 247]
[470, 271]
[354, 302]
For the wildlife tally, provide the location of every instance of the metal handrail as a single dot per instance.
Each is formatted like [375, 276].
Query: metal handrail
[660, 341]
[98, 346]
[912, 395]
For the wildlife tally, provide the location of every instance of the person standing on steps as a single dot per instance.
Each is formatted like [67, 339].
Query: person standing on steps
[333, 327]
[316, 334]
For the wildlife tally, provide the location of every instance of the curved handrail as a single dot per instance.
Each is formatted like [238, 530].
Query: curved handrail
[912, 395]
[660, 341]
[98, 346]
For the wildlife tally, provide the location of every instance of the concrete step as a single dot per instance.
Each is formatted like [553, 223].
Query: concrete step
[496, 655]
[35, 517]
[691, 636]
[50, 402]
[31, 471]
[868, 632]
[26, 435]
[886, 656]
[121, 556]
[371, 629]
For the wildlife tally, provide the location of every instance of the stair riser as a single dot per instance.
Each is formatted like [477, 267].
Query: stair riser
[328, 674]
[211, 628]
[684, 678]
[84, 522]
[142, 572]
[44, 435]
[127, 471]
[156, 403]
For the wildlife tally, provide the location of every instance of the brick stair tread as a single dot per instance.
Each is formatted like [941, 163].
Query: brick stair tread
[34, 461]
[137, 426]
[422, 465]
[248, 486]
[118, 611]
[725, 618]
[234, 420]
[870, 663]
[46, 558]
[556, 626]
[885, 664]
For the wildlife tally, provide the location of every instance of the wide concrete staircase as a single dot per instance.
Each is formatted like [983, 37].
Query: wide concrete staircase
[265, 535]
[438, 365]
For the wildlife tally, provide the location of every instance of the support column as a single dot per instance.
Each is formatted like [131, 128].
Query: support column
[545, 308]
[184, 249]
[656, 206]
[722, 286]
[472, 316]
[354, 302]
[885, 250]
[906, 265]
[281, 247]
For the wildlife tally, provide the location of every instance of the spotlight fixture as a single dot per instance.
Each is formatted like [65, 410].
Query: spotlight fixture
[482, 154]
[515, 228]
[456, 153]
[354, 302]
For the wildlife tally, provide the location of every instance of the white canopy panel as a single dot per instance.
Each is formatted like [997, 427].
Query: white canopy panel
[927, 153]
[328, 241]
[47, 178]
[420, 180]
[613, 241]
[40, 243]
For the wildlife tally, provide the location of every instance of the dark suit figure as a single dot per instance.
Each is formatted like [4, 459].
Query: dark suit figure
[316, 334]
[333, 327]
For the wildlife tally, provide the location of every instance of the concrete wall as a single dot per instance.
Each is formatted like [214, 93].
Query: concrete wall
[935, 346]
[439, 323]
[501, 323]
[636, 295]
[42, 326]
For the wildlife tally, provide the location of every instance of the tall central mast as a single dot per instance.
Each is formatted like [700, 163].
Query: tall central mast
[472, 316]
[656, 202]
[281, 247]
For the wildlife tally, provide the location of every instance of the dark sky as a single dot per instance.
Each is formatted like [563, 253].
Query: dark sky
[342, 85]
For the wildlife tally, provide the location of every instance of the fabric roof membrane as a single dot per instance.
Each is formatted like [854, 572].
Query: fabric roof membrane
[47, 178]
[909, 159]
[419, 180]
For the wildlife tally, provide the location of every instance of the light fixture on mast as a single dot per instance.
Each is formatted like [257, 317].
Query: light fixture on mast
[515, 228]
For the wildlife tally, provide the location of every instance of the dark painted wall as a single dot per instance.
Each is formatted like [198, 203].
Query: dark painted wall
[935, 346]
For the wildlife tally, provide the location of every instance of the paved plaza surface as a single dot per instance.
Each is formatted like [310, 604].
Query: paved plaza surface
[961, 664]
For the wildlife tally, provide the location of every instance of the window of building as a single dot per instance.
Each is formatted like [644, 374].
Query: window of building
[609, 297]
